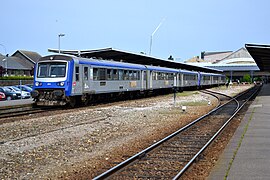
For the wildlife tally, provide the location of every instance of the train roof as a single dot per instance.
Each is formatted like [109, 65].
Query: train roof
[136, 58]
[157, 68]
[92, 61]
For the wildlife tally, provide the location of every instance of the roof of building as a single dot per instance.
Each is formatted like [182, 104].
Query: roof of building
[261, 54]
[215, 56]
[136, 58]
[239, 60]
[240, 53]
[194, 59]
[13, 63]
[30, 55]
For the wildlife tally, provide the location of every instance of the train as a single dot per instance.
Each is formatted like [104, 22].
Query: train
[70, 80]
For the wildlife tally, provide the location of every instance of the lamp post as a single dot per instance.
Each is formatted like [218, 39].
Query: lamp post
[151, 37]
[59, 36]
[6, 57]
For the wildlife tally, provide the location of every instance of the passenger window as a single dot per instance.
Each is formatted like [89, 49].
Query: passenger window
[138, 75]
[126, 75]
[121, 75]
[77, 75]
[115, 74]
[95, 74]
[144, 75]
[85, 70]
[130, 75]
[102, 74]
[109, 74]
[154, 77]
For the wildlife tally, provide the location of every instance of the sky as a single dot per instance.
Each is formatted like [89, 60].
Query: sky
[187, 26]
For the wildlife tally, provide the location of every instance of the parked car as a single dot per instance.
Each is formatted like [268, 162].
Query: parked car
[29, 85]
[2, 96]
[25, 94]
[24, 88]
[10, 94]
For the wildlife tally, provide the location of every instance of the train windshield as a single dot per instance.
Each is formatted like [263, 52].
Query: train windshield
[51, 69]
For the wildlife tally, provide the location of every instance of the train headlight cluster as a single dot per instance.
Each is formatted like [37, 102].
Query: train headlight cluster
[38, 84]
[61, 83]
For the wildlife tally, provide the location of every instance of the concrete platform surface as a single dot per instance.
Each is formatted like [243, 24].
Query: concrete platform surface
[16, 102]
[247, 155]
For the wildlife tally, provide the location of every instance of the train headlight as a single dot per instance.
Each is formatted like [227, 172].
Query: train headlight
[38, 84]
[60, 83]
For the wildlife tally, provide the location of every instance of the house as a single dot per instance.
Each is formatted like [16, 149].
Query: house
[19, 63]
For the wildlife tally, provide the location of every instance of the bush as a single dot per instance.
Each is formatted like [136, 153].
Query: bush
[16, 78]
[246, 78]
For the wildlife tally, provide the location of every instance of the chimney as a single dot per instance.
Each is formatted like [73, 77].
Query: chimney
[202, 55]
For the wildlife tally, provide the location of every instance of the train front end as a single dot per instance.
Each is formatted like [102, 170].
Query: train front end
[52, 80]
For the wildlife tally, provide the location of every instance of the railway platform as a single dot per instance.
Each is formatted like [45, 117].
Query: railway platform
[247, 155]
[16, 102]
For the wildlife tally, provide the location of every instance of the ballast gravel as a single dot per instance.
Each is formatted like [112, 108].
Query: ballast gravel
[84, 142]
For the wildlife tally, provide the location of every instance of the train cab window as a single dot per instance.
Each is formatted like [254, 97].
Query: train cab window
[115, 74]
[95, 74]
[77, 73]
[121, 74]
[109, 74]
[42, 72]
[85, 71]
[102, 74]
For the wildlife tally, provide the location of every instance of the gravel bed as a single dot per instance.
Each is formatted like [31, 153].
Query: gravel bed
[84, 142]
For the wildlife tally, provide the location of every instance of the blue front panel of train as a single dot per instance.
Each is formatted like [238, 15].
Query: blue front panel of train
[56, 83]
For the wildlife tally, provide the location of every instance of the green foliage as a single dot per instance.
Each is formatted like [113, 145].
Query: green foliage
[246, 78]
[16, 78]
[187, 93]
[257, 79]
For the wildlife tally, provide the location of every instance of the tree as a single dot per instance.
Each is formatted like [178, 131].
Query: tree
[246, 78]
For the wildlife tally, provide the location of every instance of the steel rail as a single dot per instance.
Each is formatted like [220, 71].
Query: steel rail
[213, 137]
[128, 161]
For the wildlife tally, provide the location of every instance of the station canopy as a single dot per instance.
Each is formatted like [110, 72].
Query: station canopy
[136, 58]
[261, 55]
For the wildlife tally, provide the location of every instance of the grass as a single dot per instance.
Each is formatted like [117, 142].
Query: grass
[186, 93]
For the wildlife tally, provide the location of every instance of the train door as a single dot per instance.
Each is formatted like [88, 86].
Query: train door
[175, 79]
[150, 77]
[143, 80]
[77, 85]
[86, 79]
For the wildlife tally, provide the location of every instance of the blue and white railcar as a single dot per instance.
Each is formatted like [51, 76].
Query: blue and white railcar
[162, 78]
[205, 79]
[189, 79]
[61, 79]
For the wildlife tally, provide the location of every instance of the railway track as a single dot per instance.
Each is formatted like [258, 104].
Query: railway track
[172, 156]
[21, 110]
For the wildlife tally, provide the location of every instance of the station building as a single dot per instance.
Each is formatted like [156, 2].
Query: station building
[235, 65]
[19, 63]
